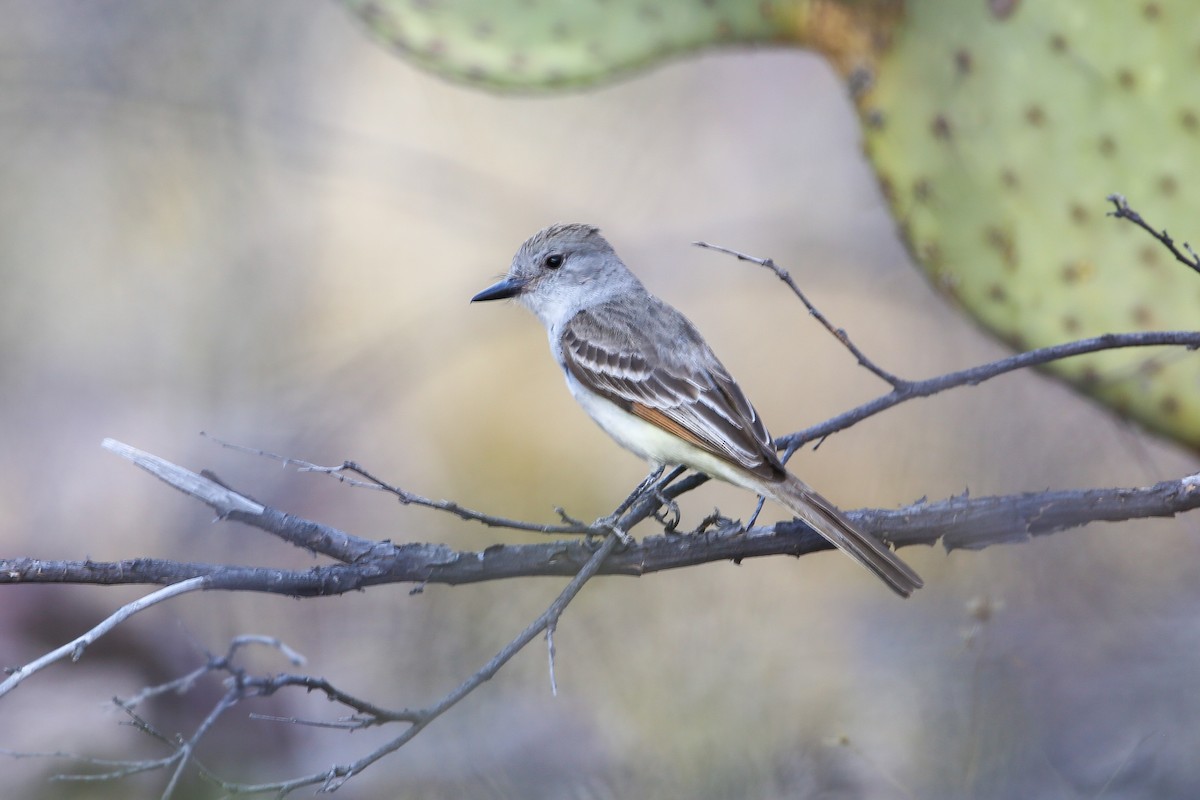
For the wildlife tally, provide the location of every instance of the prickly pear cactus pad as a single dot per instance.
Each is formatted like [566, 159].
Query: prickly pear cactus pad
[998, 130]
[516, 44]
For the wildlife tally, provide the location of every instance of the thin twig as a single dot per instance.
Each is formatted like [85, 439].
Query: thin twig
[840, 334]
[185, 682]
[125, 768]
[75, 647]
[188, 748]
[977, 375]
[371, 715]
[1123, 211]
[403, 495]
[181, 685]
[550, 652]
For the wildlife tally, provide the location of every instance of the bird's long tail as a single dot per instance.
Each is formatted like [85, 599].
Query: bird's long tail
[799, 498]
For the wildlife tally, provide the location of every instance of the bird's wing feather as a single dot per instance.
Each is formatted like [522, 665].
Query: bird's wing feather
[695, 399]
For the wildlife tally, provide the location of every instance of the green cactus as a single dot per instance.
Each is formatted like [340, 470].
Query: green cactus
[997, 129]
[516, 44]
[997, 138]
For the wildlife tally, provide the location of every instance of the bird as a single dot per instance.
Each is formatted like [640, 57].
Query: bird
[644, 373]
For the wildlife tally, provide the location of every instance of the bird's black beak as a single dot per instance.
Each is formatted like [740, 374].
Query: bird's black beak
[509, 287]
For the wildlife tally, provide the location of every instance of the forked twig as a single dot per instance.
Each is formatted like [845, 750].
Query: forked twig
[1121, 210]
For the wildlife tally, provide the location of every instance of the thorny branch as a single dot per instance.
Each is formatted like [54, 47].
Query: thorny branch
[958, 522]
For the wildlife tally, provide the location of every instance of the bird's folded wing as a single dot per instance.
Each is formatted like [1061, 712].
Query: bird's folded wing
[695, 399]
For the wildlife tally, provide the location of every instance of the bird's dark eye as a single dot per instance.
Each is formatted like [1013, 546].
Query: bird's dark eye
[553, 261]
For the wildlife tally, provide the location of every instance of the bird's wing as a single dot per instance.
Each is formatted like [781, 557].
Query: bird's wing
[686, 392]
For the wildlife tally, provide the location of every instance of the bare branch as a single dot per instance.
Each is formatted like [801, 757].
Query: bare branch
[550, 653]
[231, 505]
[75, 647]
[985, 372]
[188, 748]
[404, 496]
[1123, 211]
[903, 390]
[449, 506]
[976, 523]
[184, 683]
[837, 333]
[211, 493]
[959, 522]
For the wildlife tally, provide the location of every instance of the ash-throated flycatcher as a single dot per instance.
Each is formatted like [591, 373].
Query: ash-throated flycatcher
[645, 375]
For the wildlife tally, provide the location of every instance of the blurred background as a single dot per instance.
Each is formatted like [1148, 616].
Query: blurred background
[248, 219]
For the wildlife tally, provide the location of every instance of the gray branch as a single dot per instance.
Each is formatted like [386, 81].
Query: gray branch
[957, 523]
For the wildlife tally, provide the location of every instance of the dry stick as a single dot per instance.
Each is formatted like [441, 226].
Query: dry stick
[124, 770]
[185, 682]
[449, 506]
[334, 777]
[75, 647]
[958, 522]
[1123, 211]
[119, 768]
[124, 767]
[838, 333]
[231, 505]
[903, 390]
[974, 376]
[182, 755]
[371, 715]
[228, 701]
[550, 652]
[404, 496]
